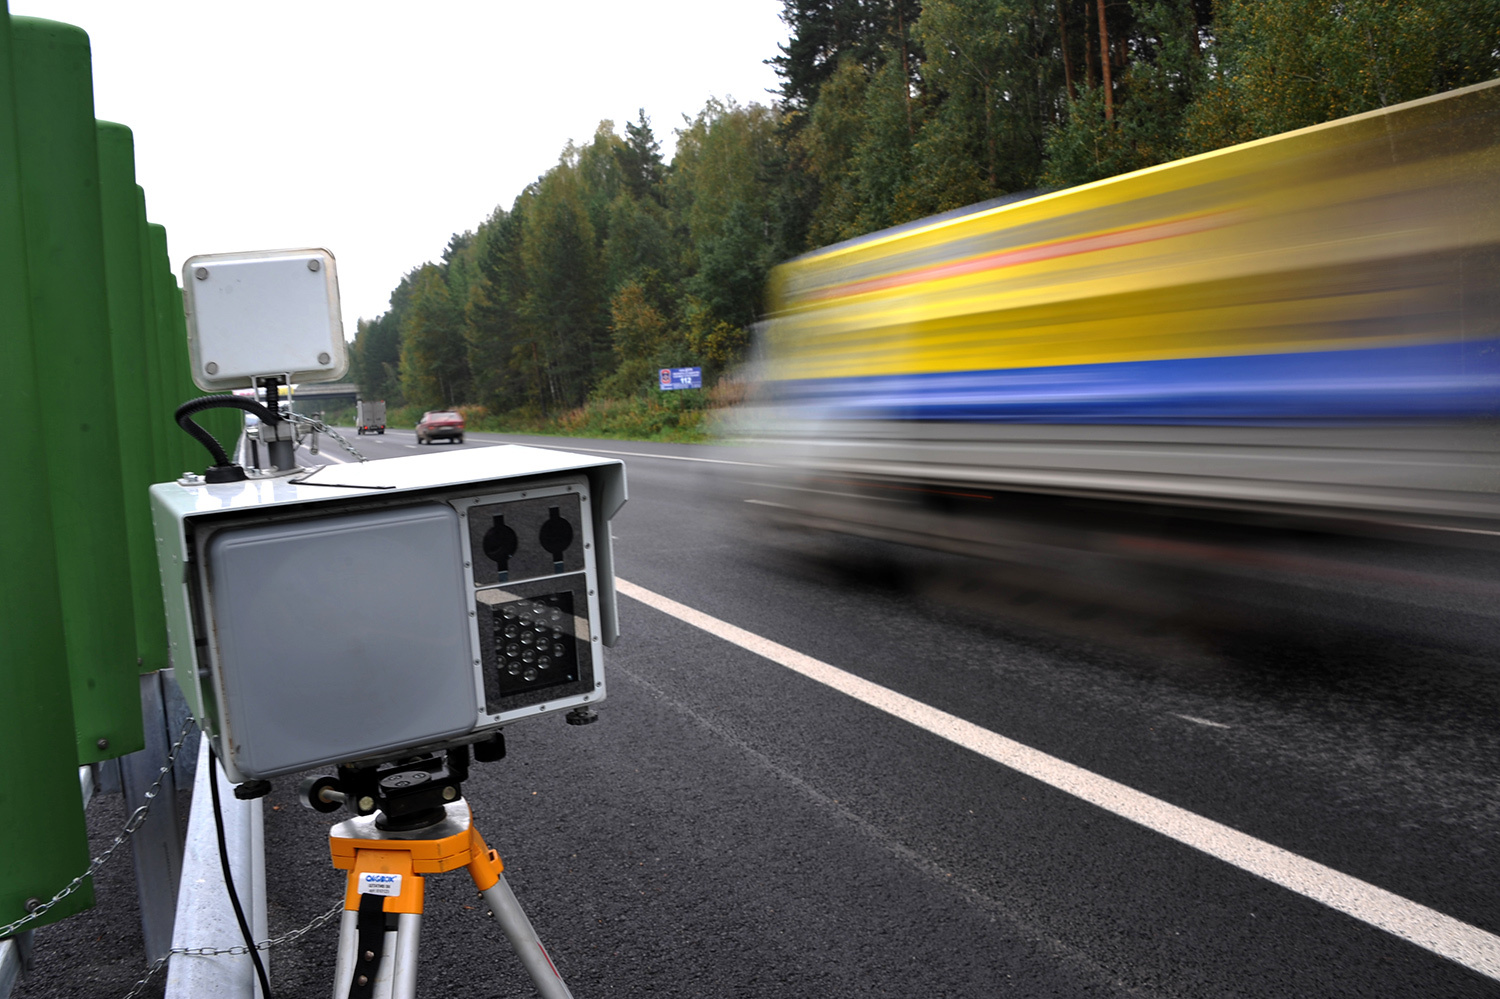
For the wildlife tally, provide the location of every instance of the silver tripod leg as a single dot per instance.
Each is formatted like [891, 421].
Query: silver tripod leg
[528, 947]
[396, 977]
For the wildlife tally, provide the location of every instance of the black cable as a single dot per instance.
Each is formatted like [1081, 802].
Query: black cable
[185, 413]
[234, 898]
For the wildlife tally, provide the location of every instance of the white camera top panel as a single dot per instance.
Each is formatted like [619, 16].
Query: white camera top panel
[263, 313]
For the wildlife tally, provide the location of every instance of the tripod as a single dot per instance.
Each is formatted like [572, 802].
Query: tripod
[415, 823]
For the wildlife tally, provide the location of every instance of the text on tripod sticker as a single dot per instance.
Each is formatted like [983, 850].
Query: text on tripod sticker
[379, 884]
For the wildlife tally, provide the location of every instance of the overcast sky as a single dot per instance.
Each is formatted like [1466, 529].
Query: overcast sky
[376, 129]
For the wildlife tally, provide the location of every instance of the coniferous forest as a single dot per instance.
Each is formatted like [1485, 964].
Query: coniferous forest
[615, 262]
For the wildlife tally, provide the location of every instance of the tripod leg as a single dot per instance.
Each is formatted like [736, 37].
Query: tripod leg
[487, 871]
[404, 978]
[343, 969]
[528, 947]
[396, 975]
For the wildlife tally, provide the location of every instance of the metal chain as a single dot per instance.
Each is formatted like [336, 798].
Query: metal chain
[239, 949]
[131, 825]
[318, 426]
[137, 818]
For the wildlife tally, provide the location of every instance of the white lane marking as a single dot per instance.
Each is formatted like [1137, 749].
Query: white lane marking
[757, 502]
[1200, 721]
[647, 454]
[1413, 922]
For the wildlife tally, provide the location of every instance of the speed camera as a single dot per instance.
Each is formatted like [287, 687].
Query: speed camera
[363, 612]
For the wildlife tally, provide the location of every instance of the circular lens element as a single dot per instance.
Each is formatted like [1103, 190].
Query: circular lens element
[529, 656]
[530, 674]
[513, 668]
[511, 631]
[512, 649]
[559, 650]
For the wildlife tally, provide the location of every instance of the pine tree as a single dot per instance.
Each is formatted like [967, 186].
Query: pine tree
[640, 160]
[434, 364]
[825, 33]
[566, 339]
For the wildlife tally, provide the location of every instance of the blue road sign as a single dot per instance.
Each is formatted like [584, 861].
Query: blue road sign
[681, 378]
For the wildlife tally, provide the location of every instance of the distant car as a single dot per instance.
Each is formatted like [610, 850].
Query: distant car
[440, 425]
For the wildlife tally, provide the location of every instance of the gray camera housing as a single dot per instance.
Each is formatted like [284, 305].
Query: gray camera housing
[362, 612]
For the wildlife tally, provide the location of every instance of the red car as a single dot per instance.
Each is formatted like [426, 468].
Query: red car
[440, 425]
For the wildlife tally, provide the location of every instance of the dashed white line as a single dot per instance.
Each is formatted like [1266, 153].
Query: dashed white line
[665, 457]
[1199, 721]
[1413, 922]
[629, 454]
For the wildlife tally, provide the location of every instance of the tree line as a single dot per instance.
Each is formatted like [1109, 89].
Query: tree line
[615, 262]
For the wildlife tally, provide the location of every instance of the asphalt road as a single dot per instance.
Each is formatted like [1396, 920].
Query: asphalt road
[733, 827]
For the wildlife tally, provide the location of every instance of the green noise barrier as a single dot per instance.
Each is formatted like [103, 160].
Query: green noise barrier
[93, 364]
[74, 358]
[45, 841]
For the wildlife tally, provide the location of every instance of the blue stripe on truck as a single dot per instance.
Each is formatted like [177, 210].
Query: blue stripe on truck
[1444, 380]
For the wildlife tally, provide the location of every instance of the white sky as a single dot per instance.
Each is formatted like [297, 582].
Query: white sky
[377, 129]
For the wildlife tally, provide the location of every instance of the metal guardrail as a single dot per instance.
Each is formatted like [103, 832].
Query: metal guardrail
[190, 911]
[205, 921]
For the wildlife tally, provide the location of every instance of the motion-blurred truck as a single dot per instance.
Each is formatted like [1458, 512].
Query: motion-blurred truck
[1232, 359]
[369, 417]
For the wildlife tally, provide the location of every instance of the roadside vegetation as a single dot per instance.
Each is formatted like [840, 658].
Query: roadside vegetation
[684, 416]
[555, 313]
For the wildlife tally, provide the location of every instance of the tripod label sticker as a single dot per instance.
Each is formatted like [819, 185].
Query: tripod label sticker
[379, 884]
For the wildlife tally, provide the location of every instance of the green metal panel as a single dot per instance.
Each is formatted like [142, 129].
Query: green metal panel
[43, 840]
[172, 460]
[187, 454]
[225, 424]
[59, 158]
[164, 431]
[134, 412]
[222, 423]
